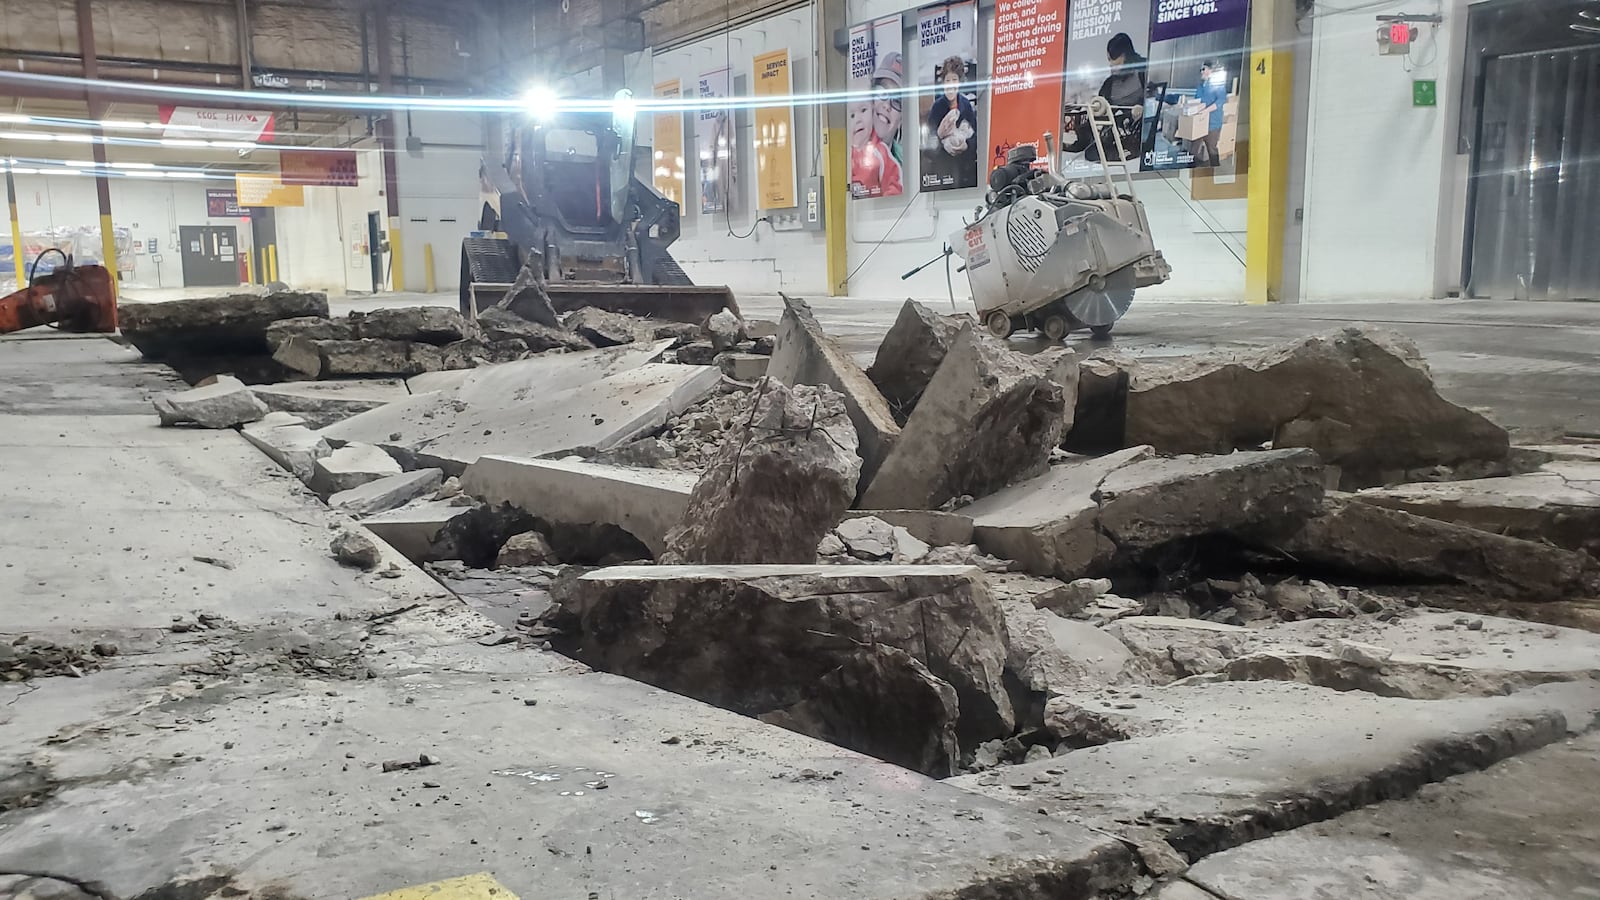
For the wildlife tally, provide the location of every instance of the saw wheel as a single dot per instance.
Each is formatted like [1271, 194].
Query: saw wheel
[1103, 301]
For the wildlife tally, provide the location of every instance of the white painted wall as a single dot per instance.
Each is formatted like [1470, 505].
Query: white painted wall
[1378, 169]
[766, 261]
[149, 208]
[320, 243]
[439, 199]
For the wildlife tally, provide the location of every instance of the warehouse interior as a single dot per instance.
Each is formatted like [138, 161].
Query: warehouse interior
[1086, 449]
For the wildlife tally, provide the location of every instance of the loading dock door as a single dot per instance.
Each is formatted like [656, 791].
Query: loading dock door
[1536, 178]
[210, 255]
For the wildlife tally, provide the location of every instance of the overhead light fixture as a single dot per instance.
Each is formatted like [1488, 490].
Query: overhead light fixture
[11, 119]
[541, 102]
[1586, 29]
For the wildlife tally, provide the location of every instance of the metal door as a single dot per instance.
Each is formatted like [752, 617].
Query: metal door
[210, 255]
[1536, 178]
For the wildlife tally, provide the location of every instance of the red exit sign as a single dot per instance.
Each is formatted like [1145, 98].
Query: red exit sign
[1399, 34]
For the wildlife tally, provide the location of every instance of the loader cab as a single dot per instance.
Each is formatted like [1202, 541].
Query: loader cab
[576, 167]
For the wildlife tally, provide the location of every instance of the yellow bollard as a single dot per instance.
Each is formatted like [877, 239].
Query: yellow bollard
[250, 268]
[427, 268]
[272, 260]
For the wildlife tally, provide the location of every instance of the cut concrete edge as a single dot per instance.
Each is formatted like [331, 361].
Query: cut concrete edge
[748, 572]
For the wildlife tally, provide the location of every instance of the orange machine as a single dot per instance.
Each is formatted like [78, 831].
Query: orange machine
[72, 298]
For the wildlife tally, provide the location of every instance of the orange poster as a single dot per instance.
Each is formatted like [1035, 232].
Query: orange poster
[1029, 52]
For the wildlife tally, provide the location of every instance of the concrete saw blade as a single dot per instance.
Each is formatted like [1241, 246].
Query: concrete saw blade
[1105, 306]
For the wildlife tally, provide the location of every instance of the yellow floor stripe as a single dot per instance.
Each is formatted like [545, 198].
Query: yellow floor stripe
[481, 886]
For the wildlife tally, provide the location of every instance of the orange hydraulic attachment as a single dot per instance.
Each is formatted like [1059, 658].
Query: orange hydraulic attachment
[73, 298]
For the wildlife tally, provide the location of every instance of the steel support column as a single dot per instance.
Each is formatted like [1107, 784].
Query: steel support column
[97, 112]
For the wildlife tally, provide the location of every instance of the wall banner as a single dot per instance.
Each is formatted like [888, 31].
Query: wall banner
[716, 148]
[667, 166]
[775, 132]
[1195, 111]
[877, 102]
[1108, 42]
[267, 190]
[222, 203]
[1025, 103]
[208, 124]
[318, 168]
[947, 67]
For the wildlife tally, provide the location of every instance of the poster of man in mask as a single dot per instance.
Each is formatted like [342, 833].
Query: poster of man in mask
[715, 149]
[947, 67]
[877, 98]
[1107, 45]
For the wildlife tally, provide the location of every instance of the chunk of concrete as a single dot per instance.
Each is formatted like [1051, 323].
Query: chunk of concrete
[1370, 541]
[530, 548]
[313, 328]
[757, 639]
[438, 325]
[936, 528]
[353, 547]
[1361, 397]
[288, 442]
[607, 329]
[1046, 654]
[644, 503]
[321, 403]
[234, 324]
[725, 329]
[1559, 504]
[416, 530]
[543, 406]
[745, 367]
[910, 354]
[367, 356]
[389, 492]
[782, 478]
[349, 467]
[806, 355]
[1083, 517]
[221, 404]
[500, 324]
[990, 417]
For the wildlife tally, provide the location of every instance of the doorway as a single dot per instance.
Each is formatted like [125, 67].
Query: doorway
[210, 255]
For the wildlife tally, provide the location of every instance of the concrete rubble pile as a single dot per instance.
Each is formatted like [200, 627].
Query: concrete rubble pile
[919, 562]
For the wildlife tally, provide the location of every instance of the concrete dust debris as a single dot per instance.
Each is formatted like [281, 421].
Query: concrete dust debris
[25, 657]
[224, 403]
[353, 548]
[990, 417]
[783, 477]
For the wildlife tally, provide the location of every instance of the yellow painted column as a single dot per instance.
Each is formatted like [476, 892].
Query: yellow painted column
[397, 260]
[1271, 111]
[108, 250]
[430, 283]
[272, 262]
[17, 251]
[250, 267]
[835, 184]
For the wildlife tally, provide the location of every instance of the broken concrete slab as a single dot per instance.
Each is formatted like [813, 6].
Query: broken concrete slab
[1559, 504]
[783, 477]
[1362, 398]
[542, 406]
[1369, 541]
[883, 702]
[366, 356]
[1087, 516]
[350, 466]
[743, 367]
[499, 324]
[222, 404]
[321, 403]
[990, 417]
[438, 325]
[288, 442]
[384, 494]
[644, 503]
[936, 528]
[313, 328]
[1230, 762]
[806, 355]
[415, 530]
[1502, 833]
[1047, 655]
[757, 639]
[234, 324]
[529, 548]
[910, 354]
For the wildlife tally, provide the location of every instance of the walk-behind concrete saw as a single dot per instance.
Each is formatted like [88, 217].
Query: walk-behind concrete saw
[1057, 255]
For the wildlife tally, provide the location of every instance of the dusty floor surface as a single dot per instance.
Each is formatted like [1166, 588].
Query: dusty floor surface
[222, 719]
